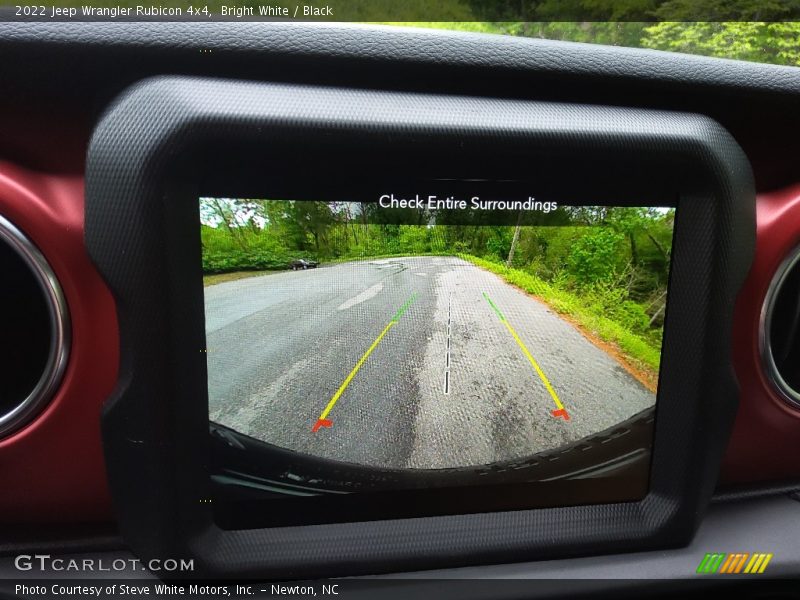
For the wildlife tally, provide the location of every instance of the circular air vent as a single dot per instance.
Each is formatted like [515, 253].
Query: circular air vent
[780, 329]
[34, 330]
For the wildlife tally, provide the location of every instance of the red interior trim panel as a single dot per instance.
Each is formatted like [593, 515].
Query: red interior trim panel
[763, 445]
[53, 469]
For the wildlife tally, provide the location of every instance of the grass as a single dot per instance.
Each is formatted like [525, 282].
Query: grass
[635, 349]
[233, 276]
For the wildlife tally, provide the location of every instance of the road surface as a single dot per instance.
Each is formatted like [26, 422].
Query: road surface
[421, 362]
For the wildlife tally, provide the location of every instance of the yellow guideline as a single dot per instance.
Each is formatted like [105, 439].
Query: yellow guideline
[560, 410]
[352, 374]
[323, 418]
[536, 366]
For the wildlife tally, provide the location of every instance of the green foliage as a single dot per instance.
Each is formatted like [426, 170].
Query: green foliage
[775, 43]
[604, 298]
[645, 351]
[414, 239]
[499, 243]
[605, 266]
[585, 11]
[452, 11]
[727, 10]
[438, 240]
[563, 10]
[222, 252]
[755, 30]
[611, 33]
[593, 257]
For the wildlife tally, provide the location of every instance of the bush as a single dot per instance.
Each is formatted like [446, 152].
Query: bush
[499, 244]
[413, 239]
[252, 251]
[216, 262]
[593, 256]
[604, 298]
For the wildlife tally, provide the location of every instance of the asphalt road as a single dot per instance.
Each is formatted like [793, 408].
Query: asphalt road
[449, 383]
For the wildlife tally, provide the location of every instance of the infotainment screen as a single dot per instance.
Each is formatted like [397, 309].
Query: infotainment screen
[420, 340]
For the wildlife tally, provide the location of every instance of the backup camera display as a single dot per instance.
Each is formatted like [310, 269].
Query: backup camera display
[420, 332]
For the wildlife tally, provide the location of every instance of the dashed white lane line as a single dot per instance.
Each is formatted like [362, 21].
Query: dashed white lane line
[447, 350]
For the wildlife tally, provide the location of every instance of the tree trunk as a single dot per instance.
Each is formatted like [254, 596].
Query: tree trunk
[634, 251]
[661, 249]
[353, 226]
[658, 312]
[514, 241]
[233, 231]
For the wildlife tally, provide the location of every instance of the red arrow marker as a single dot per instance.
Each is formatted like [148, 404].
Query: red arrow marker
[561, 413]
[321, 423]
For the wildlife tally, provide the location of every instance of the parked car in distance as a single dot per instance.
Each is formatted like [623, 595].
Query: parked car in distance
[302, 263]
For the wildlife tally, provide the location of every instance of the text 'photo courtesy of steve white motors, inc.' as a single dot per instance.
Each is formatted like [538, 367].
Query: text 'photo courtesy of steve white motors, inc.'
[67, 578]
[72, 589]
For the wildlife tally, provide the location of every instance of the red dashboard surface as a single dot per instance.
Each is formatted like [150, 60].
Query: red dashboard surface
[763, 445]
[53, 470]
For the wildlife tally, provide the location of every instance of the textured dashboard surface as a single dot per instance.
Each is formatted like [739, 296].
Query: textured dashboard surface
[769, 524]
[141, 143]
[418, 46]
[57, 78]
[85, 65]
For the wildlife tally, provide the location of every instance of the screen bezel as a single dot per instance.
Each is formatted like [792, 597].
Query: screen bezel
[509, 485]
[182, 134]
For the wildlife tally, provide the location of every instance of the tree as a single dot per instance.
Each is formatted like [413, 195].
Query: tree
[727, 10]
[775, 43]
[755, 30]
[594, 256]
[514, 241]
